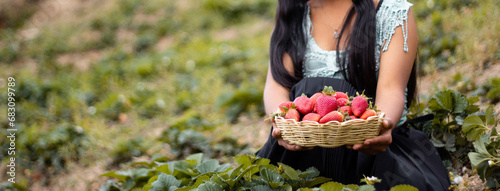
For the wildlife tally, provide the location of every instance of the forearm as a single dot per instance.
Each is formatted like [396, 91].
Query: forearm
[274, 94]
[391, 102]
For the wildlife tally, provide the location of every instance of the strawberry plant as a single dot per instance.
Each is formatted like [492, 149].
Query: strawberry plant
[461, 133]
[45, 154]
[246, 173]
[493, 87]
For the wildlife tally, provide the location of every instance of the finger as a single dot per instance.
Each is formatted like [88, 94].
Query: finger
[276, 133]
[306, 148]
[385, 139]
[357, 146]
[387, 124]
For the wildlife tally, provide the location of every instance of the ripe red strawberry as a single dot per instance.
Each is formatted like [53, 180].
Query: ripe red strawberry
[368, 113]
[325, 105]
[346, 109]
[339, 95]
[342, 101]
[303, 104]
[359, 105]
[314, 98]
[293, 114]
[312, 117]
[332, 116]
[286, 104]
[352, 117]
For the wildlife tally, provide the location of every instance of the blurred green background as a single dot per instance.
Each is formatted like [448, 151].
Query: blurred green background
[103, 83]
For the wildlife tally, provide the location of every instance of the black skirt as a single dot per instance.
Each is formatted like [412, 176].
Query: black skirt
[410, 159]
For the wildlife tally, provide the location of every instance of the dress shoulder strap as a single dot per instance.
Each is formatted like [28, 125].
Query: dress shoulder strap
[392, 14]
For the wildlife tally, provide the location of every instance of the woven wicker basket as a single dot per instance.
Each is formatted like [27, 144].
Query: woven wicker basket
[331, 134]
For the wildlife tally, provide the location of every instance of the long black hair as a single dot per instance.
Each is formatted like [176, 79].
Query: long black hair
[289, 37]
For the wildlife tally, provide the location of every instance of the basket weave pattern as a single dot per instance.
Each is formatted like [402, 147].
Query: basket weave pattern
[331, 134]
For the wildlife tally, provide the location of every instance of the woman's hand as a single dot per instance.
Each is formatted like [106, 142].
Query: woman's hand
[277, 135]
[378, 144]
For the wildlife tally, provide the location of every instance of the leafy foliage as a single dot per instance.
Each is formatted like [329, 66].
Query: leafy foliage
[493, 92]
[195, 173]
[47, 153]
[459, 130]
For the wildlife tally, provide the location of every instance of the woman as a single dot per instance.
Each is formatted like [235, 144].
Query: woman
[352, 45]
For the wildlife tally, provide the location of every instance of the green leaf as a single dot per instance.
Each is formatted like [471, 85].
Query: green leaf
[472, 99]
[449, 138]
[181, 168]
[166, 182]
[223, 167]
[459, 119]
[490, 118]
[366, 188]
[261, 188]
[289, 172]
[164, 169]
[471, 107]
[271, 177]
[159, 158]
[494, 131]
[480, 147]
[262, 161]
[403, 187]
[474, 134]
[317, 180]
[477, 158]
[150, 181]
[243, 160]
[209, 186]
[442, 100]
[352, 187]
[217, 180]
[109, 185]
[144, 163]
[191, 162]
[208, 166]
[305, 189]
[482, 169]
[310, 173]
[331, 186]
[120, 175]
[198, 157]
[436, 143]
[459, 102]
[286, 187]
[471, 122]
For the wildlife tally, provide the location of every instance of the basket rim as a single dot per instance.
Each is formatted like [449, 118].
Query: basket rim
[380, 115]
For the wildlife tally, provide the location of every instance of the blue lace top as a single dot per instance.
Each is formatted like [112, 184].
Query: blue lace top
[323, 63]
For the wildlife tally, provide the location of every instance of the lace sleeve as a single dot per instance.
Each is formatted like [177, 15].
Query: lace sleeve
[391, 14]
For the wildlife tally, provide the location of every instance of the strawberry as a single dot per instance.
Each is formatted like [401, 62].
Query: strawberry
[368, 113]
[283, 105]
[359, 105]
[339, 95]
[346, 109]
[342, 101]
[352, 117]
[303, 104]
[332, 116]
[314, 98]
[325, 105]
[312, 117]
[293, 114]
